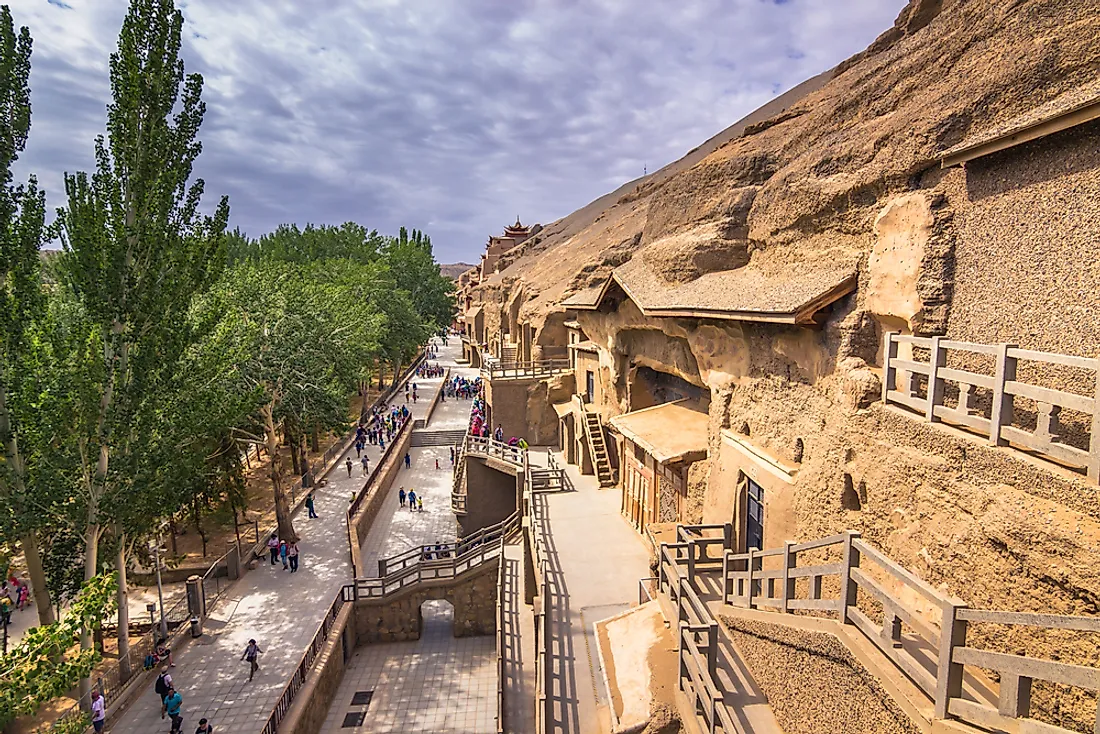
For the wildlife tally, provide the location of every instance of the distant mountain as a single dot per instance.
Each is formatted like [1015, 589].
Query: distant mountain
[453, 270]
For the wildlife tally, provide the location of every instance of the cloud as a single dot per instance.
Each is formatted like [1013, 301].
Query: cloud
[449, 117]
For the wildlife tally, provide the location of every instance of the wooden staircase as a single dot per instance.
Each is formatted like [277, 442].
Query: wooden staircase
[601, 462]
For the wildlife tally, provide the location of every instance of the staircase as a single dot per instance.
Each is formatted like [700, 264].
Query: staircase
[437, 438]
[508, 354]
[458, 491]
[601, 463]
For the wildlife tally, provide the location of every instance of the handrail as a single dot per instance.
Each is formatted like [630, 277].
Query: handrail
[444, 550]
[920, 387]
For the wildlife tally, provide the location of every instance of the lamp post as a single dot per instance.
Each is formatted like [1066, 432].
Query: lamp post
[154, 547]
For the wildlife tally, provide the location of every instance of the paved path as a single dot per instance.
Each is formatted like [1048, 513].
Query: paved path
[438, 683]
[595, 561]
[282, 611]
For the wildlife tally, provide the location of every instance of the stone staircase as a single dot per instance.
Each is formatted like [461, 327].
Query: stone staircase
[437, 438]
[601, 463]
[508, 354]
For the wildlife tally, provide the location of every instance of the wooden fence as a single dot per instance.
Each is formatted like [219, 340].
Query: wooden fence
[788, 587]
[921, 387]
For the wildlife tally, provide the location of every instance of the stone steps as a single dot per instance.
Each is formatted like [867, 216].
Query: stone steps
[437, 438]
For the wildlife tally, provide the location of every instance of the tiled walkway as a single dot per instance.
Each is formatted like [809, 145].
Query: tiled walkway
[438, 683]
[281, 611]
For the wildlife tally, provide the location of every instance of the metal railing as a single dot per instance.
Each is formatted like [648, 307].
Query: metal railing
[986, 403]
[214, 582]
[297, 679]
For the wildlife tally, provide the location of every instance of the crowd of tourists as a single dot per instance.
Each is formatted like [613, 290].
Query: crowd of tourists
[428, 370]
[460, 387]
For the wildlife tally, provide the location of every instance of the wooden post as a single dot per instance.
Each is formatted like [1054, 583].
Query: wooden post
[1094, 445]
[889, 353]
[712, 650]
[727, 585]
[949, 674]
[847, 585]
[1001, 414]
[935, 383]
[787, 592]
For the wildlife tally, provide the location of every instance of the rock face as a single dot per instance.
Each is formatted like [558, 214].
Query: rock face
[846, 169]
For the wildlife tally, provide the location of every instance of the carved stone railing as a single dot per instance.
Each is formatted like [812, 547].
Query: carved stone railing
[921, 386]
[496, 369]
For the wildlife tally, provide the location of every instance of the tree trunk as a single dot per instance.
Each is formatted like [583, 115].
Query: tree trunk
[315, 439]
[91, 561]
[282, 503]
[41, 592]
[292, 442]
[303, 461]
[124, 670]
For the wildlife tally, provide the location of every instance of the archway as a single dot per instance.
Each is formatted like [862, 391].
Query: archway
[437, 617]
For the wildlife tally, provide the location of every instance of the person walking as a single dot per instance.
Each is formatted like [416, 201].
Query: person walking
[282, 554]
[419, 504]
[292, 556]
[366, 465]
[172, 704]
[163, 684]
[251, 652]
[205, 727]
[348, 465]
[401, 496]
[408, 460]
[309, 504]
[437, 464]
[99, 712]
[412, 500]
[358, 448]
[273, 547]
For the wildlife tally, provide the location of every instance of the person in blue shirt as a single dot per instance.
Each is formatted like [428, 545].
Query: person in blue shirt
[172, 704]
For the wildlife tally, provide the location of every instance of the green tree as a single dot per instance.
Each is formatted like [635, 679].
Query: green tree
[136, 249]
[22, 219]
[417, 273]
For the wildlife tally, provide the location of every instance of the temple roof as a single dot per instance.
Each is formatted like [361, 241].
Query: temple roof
[517, 228]
[791, 294]
[1075, 107]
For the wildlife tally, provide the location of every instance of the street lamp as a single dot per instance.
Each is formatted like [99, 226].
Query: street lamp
[154, 548]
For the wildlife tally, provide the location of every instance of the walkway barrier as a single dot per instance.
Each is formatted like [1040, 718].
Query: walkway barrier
[986, 401]
[298, 678]
[500, 645]
[420, 553]
[856, 568]
[496, 449]
[544, 659]
[214, 583]
[364, 492]
[432, 569]
[540, 368]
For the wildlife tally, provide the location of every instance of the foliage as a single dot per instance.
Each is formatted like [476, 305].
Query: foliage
[44, 664]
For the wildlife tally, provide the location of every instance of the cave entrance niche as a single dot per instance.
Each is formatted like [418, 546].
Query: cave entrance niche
[647, 387]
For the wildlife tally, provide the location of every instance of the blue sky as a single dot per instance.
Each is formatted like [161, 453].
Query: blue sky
[451, 116]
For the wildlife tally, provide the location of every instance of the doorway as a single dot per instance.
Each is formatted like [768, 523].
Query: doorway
[753, 526]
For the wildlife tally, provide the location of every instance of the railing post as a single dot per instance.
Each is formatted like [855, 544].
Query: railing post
[848, 587]
[1094, 437]
[787, 592]
[949, 674]
[889, 354]
[1001, 414]
[935, 383]
[727, 585]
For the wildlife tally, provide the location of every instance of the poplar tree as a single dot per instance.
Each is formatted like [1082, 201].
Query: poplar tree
[22, 219]
[136, 249]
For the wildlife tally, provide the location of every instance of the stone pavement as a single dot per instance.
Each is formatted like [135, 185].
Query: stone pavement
[437, 683]
[280, 610]
[595, 561]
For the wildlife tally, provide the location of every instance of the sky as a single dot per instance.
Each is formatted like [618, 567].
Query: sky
[449, 116]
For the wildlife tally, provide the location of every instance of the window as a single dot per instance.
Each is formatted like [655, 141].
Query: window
[590, 386]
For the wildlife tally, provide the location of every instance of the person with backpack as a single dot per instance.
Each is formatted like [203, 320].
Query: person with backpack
[282, 554]
[401, 496]
[412, 499]
[205, 727]
[252, 652]
[173, 702]
[309, 505]
[347, 463]
[292, 556]
[163, 684]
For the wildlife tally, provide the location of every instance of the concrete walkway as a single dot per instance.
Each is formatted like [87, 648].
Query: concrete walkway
[280, 610]
[595, 561]
[437, 683]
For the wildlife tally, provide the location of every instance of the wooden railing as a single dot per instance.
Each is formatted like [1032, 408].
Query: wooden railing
[787, 587]
[544, 623]
[922, 388]
[425, 571]
[500, 645]
[439, 551]
[493, 448]
[537, 368]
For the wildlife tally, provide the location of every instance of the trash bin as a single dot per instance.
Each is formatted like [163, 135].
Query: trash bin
[196, 627]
